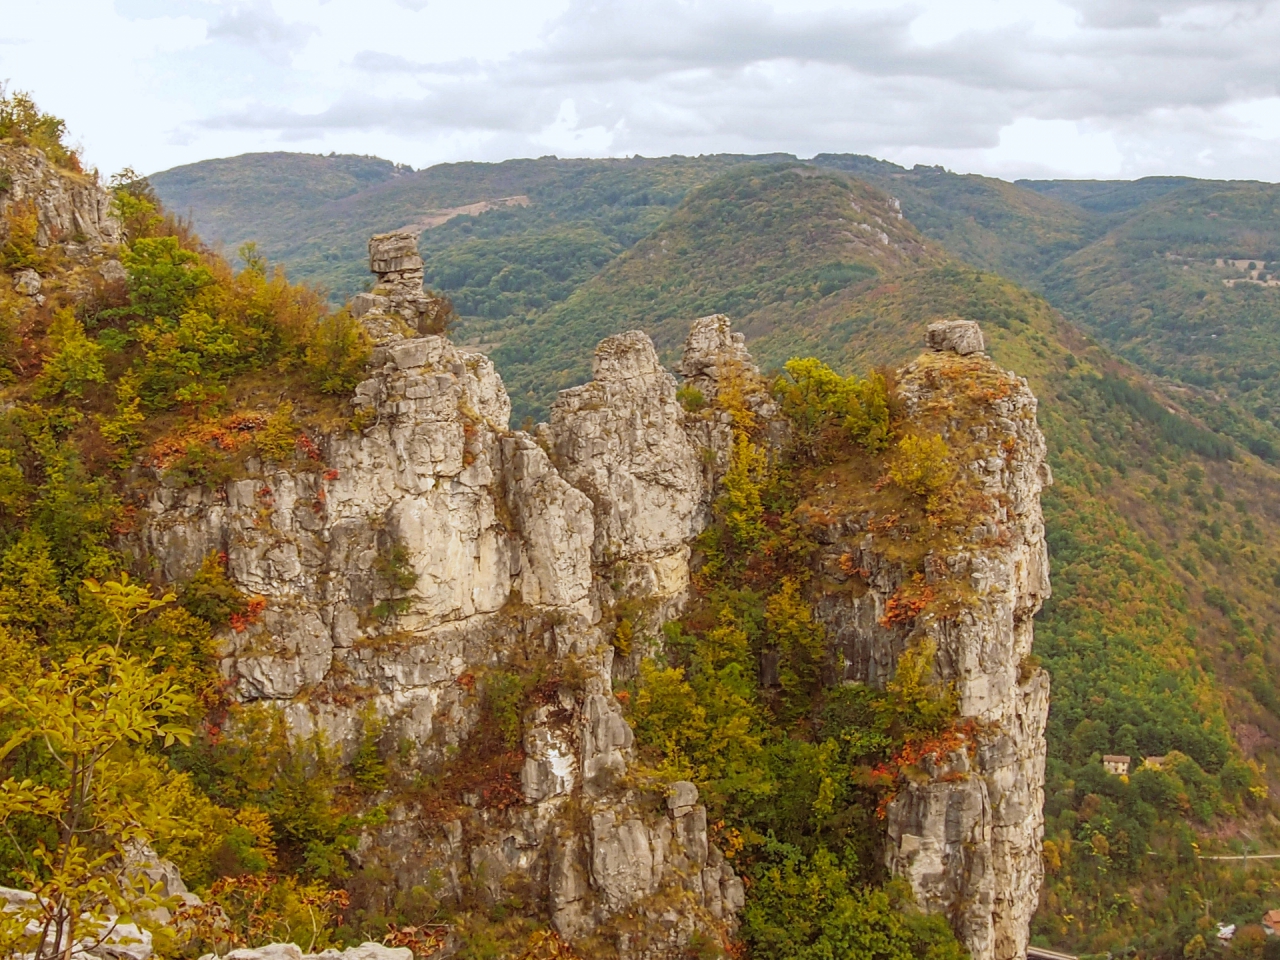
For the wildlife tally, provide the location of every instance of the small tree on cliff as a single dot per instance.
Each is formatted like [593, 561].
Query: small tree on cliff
[81, 723]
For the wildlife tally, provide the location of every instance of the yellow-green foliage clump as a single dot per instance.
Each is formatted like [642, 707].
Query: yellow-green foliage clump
[741, 504]
[74, 361]
[22, 122]
[817, 399]
[20, 250]
[277, 440]
[922, 466]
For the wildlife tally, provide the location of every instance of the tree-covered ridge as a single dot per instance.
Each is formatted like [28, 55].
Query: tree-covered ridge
[1134, 264]
[983, 221]
[322, 238]
[758, 242]
[247, 198]
[1154, 289]
[1107, 196]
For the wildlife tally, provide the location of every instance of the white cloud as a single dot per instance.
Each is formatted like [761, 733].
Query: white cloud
[1012, 87]
[258, 25]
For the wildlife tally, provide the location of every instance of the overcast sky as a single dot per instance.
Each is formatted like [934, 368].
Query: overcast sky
[1079, 88]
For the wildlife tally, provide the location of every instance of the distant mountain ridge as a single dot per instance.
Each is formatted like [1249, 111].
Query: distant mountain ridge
[1132, 262]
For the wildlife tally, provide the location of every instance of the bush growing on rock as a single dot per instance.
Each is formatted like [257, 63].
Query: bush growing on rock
[817, 399]
[923, 467]
[23, 122]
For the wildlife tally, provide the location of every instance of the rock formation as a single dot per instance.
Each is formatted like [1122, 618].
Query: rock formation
[507, 545]
[435, 547]
[968, 835]
[70, 208]
[622, 440]
[398, 294]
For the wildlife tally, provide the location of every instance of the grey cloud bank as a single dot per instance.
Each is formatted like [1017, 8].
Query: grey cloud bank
[1068, 87]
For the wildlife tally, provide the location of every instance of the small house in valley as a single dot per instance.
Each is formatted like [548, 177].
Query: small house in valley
[1271, 922]
[1117, 766]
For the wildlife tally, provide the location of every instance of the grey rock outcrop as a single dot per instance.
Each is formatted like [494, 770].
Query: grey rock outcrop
[509, 547]
[958, 336]
[113, 271]
[394, 260]
[148, 870]
[714, 353]
[71, 208]
[622, 440]
[434, 547]
[27, 282]
[968, 834]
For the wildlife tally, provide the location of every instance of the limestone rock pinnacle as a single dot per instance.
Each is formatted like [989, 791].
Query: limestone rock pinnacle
[958, 336]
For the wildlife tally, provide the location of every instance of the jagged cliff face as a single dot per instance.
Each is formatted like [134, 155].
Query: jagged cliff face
[519, 548]
[965, 831]
[71, 209]
[512, 545]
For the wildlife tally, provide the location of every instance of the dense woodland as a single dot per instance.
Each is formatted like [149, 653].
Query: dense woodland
[1160, 637]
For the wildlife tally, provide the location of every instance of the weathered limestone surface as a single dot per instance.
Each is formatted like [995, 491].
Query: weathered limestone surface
[519, 548]
[969, 837]
[510, 543]
[394, 260]
[959, 336]
[71, 208]
[622, 440]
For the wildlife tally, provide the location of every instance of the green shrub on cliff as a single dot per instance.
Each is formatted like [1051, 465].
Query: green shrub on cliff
[21, 121]
[812, 908]
[74, 362]
[816, 398]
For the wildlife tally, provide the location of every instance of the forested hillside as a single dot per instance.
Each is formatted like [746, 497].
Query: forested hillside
[1139, 265]
[1157, 269]
[571, 217]
[761, 243]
